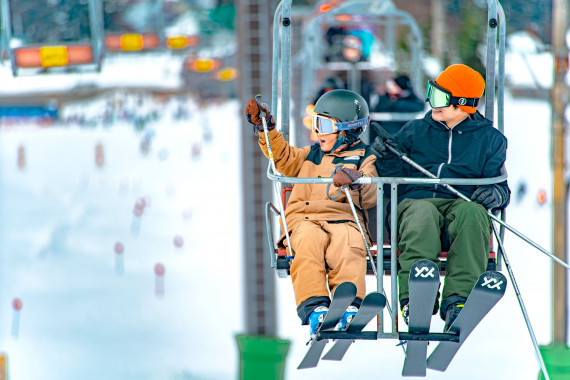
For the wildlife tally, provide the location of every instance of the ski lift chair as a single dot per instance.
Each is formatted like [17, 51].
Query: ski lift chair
[495, 29]
[281, 99]
[279, 254]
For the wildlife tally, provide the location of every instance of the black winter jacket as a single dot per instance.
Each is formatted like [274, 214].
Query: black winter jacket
[472, 149]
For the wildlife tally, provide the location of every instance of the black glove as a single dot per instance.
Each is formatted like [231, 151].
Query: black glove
[252, 111]
[346, 176]
[490, 196]
[380, 147]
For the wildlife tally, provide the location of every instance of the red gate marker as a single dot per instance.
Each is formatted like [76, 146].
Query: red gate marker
[159, 271]
[119, 258]
[178, 241]
[138, 210]
[119, 248]
[21, 157]
[99, 155]
[196, 151]
[541, 197]
[17, 306]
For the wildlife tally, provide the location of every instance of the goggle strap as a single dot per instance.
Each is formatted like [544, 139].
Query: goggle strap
[460, 101]
[360, 123]
[342, 126]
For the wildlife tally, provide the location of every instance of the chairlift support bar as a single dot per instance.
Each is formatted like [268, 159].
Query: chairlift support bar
[393, 182]
[282, 27]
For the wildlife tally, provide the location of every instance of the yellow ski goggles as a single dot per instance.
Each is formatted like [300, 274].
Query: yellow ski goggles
[439, 97]
[324, 125]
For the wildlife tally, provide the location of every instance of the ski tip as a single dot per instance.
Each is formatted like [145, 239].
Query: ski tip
[493, 280]
[424, 262]
[346, 286]
[424, 270]
[376, 298]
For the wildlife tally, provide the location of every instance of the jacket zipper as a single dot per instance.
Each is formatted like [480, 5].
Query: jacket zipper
[449, 144]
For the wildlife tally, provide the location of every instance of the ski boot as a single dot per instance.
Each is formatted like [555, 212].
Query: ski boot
[316, 319]
[406, 314]
[452, 313]
[346, 318]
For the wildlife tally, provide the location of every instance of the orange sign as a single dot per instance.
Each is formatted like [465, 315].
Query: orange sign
[177, 43]
[132, 42]
[53, 56]
[182, 42]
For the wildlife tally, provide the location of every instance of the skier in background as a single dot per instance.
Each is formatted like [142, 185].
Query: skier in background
[397, 95]
[327, 245]
[453, 140]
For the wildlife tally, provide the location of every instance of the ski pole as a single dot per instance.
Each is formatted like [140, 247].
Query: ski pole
[351, 203]
[263, 115]
[521, 303]
[382, 133]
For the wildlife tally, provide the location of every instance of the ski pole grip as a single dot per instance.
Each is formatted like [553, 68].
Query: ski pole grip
[258, 101]
[337, 168]
[385, 136]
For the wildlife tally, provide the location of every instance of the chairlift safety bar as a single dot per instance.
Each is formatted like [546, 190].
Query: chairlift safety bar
[380, 182]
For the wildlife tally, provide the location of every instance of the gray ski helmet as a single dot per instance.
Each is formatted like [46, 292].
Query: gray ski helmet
[343, 105]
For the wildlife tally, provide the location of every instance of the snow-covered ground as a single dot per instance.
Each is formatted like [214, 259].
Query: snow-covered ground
[61, 217]
[89, 313]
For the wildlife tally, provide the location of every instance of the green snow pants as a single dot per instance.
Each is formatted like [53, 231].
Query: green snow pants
[463, 226]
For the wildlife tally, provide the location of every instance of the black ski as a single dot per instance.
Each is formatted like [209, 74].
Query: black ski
[343, 296]
[423, 283]
[371, 306]
[487, 292]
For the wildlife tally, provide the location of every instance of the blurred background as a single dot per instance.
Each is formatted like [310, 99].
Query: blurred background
[132, 191]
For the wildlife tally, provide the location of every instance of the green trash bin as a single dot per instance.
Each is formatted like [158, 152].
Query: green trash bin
[557, 361]
[261, 357]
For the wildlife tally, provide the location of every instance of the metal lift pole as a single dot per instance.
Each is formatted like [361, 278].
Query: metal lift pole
[260, 350]
[560, 186]
[557, 355]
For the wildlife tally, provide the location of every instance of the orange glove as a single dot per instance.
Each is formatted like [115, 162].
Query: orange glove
[252, 111]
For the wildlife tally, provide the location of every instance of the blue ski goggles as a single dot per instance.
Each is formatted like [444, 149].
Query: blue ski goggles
[324, 125]
[439, 97]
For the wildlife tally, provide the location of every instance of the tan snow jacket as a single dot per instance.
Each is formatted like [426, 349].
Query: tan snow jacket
[310, 201]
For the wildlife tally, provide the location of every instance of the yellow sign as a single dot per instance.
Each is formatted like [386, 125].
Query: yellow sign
[132, 42]
[227, 74]
[176, 43]
[204, 65]
[51, 56]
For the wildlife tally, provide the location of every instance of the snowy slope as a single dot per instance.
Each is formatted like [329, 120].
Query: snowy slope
[60, 219]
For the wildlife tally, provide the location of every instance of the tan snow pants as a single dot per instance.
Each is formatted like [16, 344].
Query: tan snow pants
[327, 254]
